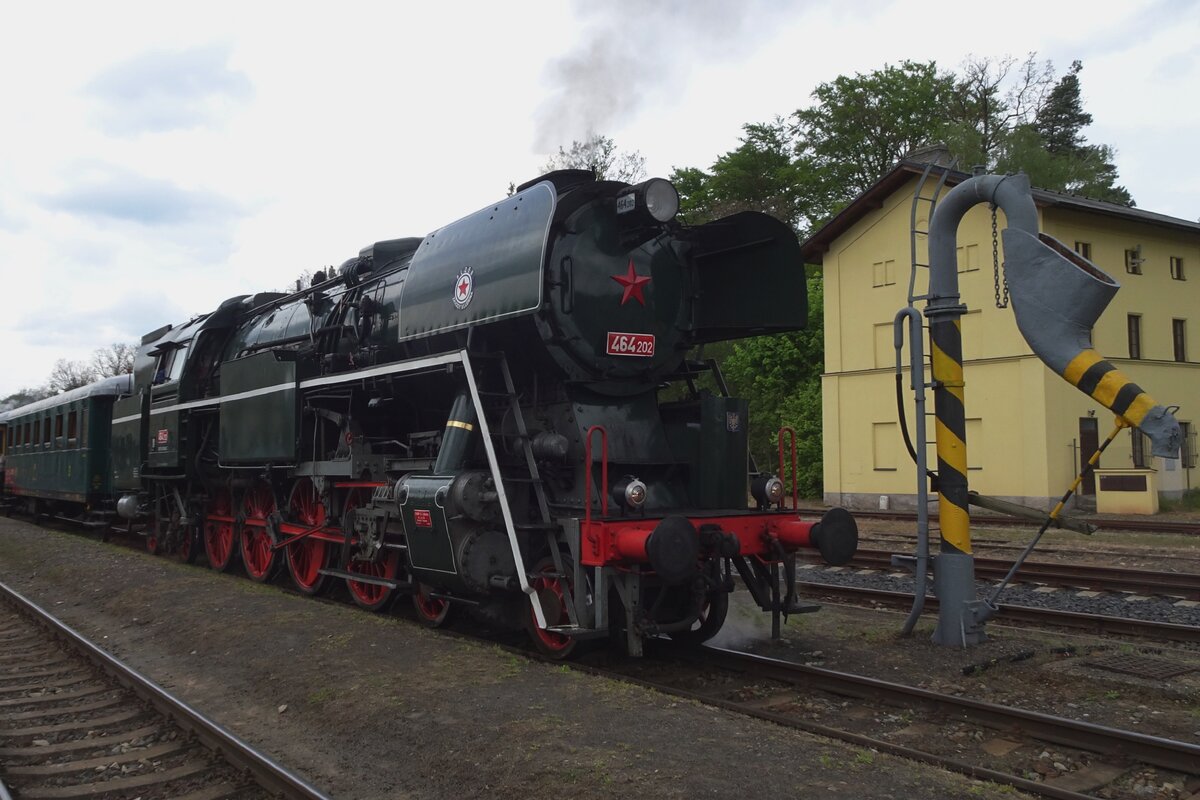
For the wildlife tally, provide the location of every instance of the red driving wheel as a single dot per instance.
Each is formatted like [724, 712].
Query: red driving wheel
[308, 556]
[218, 530]
[549, 586]
[258, 557]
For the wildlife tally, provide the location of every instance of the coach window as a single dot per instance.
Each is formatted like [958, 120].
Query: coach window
[72, 427]
[37, 431]
[58, 430]
[46, 431]
[28, 438]
[83, 427]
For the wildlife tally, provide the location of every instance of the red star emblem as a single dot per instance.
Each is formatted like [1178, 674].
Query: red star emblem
[462, 287]
[633, 284]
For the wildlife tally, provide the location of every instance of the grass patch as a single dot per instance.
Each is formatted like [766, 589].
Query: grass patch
[1190, 501]
[321, 696]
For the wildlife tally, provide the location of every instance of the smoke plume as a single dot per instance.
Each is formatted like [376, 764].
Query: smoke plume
[629, 53]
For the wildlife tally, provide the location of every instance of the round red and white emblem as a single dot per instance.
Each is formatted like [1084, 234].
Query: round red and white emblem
[464, 288]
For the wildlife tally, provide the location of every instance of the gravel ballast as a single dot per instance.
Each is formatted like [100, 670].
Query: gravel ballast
[370, 706]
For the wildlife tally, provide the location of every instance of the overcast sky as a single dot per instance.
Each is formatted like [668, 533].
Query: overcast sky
[158, 158]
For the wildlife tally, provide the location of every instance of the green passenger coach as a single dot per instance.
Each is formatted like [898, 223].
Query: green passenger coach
[56, 451]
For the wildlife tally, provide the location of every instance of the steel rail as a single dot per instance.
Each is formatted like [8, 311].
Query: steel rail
[270, 775]
[1150, 749]
[990, 543]
[1143, 526]
[1084, 576]
[1074, 620]
[1154, 750]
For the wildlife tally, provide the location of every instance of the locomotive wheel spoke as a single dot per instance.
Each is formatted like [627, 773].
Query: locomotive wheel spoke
[257, 556]
[549, 587]
[189, 546]
[431, 611]
[219, 543]
[371, 596]
[307, 557]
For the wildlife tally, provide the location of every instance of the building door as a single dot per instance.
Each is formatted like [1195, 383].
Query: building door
[1089, 440]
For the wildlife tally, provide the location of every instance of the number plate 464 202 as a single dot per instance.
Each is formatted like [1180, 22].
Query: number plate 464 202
[630, 344]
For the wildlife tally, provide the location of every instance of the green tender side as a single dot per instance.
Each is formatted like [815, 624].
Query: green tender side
[503, 246]
[259, 428]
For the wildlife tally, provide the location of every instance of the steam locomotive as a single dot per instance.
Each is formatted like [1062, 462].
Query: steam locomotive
[507, 415]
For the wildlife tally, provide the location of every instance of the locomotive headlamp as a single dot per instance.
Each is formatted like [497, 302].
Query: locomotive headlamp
[655, 200]
[768, 491]
[629, 492]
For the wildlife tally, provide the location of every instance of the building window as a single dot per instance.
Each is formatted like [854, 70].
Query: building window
[1084, 249]
[1133, 261]
[1138, 442]
[883, 440]
[968, 258]
[883, 273]
[1135, 335]
[1179, 337]
[1187, 451]
[1177, 268]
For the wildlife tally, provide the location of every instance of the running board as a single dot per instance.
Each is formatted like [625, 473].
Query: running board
[402, 586]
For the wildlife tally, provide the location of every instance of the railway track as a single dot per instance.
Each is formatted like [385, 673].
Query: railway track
[1143, 526]
[1184, 585]
[907, 721]
[1098, 624]
[1086, 548]
[77, 723]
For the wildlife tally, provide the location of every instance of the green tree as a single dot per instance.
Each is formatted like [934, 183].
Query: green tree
[1061, 120]
[1070, 164]
[599, 154]
[761, 174]
[780, 376]
[861, 125]
[991, 99]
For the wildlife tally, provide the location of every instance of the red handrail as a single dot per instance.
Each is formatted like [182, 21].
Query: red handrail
[587, 492]
[791, 432]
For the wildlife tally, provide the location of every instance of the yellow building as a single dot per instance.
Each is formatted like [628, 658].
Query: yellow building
[1028, 430]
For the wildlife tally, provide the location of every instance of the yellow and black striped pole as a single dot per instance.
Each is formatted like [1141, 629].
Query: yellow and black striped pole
[949, 405]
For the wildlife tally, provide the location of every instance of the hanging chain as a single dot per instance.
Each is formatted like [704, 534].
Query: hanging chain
[1000, 303]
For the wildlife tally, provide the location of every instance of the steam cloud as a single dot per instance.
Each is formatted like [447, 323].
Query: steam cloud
[629, 51]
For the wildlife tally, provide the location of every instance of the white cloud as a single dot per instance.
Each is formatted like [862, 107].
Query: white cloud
[161, 90]
[159, 159]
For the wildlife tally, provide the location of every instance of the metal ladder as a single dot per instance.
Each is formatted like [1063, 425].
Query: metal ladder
[914, 232]
[507, 480]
